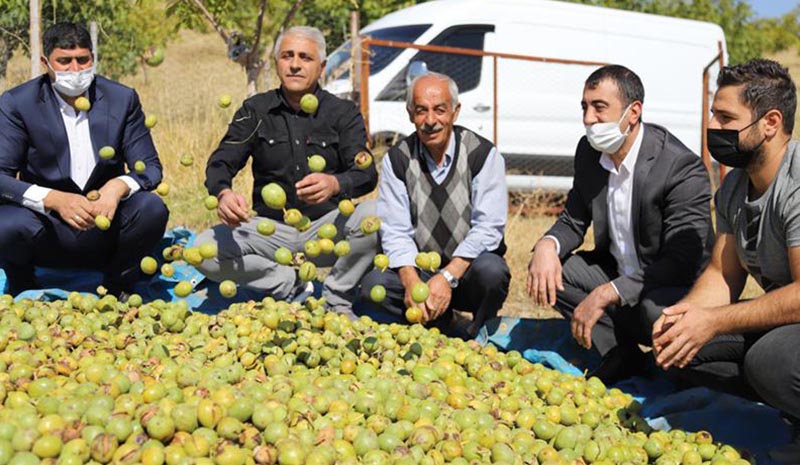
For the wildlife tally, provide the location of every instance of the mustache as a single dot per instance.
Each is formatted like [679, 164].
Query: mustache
[431, 128]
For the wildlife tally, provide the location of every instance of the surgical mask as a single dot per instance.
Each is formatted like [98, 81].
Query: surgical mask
[606, 137]
[723, 145]
[73, 83]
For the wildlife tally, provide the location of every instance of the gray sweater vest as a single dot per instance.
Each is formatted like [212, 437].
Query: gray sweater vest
[440, 213]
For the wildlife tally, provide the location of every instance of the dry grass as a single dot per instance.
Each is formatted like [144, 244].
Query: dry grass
[183, 92]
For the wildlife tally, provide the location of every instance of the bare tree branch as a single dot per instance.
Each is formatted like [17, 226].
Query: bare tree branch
[287, 19]
[259, 25]
[16, 36]
[211, 19]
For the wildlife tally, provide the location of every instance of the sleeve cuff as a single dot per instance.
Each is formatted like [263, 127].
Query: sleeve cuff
[132, 185]
[558, 245]
[402, 258]
[33, 198]
[621, 298]
[344, 185]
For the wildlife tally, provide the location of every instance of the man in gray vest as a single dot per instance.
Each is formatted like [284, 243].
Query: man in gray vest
[442, 190]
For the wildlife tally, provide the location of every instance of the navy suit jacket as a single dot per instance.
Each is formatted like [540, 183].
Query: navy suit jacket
[34, 148]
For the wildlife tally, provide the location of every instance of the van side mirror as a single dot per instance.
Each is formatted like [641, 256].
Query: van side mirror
[414, 70]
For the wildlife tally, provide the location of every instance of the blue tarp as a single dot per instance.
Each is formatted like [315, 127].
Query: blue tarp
[743, 424]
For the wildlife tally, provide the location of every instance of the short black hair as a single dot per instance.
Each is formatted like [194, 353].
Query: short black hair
[628, 83]
[767, 86]
[66, 35]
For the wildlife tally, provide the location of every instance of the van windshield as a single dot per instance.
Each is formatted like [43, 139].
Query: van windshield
[338, 66]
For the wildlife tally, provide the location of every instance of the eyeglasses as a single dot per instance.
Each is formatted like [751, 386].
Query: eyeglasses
[81, 60]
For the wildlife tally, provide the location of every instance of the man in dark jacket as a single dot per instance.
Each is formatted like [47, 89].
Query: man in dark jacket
[281, 136]
[648, 198]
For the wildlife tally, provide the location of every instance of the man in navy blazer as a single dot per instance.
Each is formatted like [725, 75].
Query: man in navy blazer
[51, 173]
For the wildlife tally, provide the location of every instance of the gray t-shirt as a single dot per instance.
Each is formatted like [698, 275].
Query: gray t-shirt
[765, 228]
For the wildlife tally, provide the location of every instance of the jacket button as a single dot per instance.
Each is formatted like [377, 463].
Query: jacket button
[271, 141]
[324, 144]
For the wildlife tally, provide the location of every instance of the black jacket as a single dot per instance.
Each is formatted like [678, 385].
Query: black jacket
[280, 141]
[670, 213]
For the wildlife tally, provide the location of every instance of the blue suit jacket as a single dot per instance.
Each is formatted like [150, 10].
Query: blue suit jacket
[34, 148]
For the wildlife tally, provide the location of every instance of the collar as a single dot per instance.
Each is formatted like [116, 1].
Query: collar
[449, 152]
[275, 98]
[64, 106]
[629, 163]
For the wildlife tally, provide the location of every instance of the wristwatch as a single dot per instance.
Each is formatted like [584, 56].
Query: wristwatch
[452, 280]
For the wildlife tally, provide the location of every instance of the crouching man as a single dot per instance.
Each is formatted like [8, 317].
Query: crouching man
[442, 190]
[749, 346]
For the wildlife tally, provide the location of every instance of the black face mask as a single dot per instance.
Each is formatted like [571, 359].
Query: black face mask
[723, 144]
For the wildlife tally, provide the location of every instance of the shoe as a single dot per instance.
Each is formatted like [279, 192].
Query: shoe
[618, 364]
[303, 293]
[17, 286]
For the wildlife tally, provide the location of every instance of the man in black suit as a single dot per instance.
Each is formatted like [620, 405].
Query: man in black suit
[648, 198]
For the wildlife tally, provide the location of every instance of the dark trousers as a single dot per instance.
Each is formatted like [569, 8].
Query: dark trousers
[29, 239]
[481, 291]
[582, 272]
[761, 366]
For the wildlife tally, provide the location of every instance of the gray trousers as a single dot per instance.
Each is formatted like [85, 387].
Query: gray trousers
[582, 272]
[247, 257]
[761, 366]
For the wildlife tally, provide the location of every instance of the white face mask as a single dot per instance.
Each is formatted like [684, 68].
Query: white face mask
[606, 137]
[73, 83]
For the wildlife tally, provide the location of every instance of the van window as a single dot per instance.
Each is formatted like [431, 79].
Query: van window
[338, 66]
[464, 69]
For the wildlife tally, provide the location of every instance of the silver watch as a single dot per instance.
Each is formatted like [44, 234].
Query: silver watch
[450, 278]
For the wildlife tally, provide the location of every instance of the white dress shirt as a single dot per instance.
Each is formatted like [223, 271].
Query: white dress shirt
[83, 156]
[619, 201]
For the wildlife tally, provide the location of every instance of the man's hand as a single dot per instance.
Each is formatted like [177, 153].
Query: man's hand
[544, 273]
[409, 277]
[589, 311]
[440, 295]
[685, 329]
[232, 208]
[74, 209]
[110, 196]
[317, 188]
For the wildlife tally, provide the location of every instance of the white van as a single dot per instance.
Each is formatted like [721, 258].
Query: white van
[539, 115]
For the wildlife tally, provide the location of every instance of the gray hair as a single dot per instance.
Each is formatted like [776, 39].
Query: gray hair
[451, 84]
[306, 32]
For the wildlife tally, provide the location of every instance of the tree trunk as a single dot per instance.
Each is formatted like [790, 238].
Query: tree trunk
[35, 37]
[252, 79]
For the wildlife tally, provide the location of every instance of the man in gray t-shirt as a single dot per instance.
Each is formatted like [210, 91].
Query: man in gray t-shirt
[711, 336]
[764, 227]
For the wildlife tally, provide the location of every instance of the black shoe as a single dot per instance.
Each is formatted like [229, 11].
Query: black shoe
[618, 364]
[122, 294]
[17, 287]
